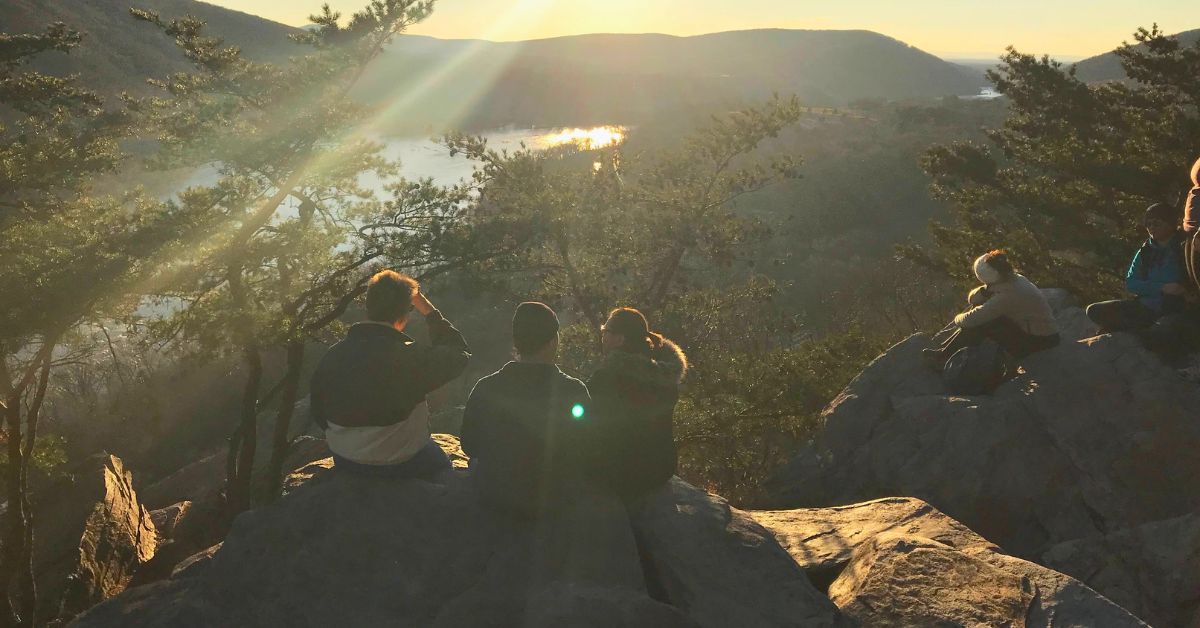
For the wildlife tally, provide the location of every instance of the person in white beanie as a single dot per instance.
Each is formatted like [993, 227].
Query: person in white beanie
[1007, 308]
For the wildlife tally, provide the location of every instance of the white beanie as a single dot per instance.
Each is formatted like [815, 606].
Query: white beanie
[985, 272]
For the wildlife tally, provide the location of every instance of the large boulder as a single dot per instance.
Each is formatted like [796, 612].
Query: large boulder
[1092, 436]
[92, 535]
[899, 561]
[721, 566]
[910, 581]
[361, 551]
[1153, 569]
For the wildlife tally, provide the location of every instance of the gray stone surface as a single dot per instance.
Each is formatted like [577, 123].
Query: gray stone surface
[1153, 569]
[723, 568]
[933, 553]
[1092, 436]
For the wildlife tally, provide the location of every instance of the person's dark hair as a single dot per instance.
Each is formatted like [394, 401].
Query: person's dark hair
[534, 325]
[1163, 212]
[390, 295]
[998, 260]
[632, 325]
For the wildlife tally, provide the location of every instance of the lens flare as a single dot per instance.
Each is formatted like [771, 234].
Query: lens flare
[577, 411]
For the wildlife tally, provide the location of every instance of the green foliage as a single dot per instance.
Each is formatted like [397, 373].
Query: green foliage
[49, 459]
[1065, 180]
[744, 414]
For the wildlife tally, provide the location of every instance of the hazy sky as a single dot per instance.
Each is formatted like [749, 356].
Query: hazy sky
[952, 28]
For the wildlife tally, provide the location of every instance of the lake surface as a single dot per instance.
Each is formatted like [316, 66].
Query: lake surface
[426, 158]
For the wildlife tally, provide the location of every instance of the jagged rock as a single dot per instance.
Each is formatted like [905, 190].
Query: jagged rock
[1153, 569]
[723, 568]
[1093, 436]
[165, 519]
[92, 534]
[824, 541]
[194, 482]
[195, 564]
[453, 449]
[1073, 323]
[348, 550]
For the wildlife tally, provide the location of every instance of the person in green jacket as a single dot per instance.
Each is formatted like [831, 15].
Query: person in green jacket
[634, 393]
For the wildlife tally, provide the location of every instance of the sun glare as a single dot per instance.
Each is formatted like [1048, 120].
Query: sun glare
[587, 139]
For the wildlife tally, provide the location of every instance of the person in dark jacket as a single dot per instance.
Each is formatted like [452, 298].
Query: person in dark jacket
[634, 393]
[1191, 229]
[1155, 278]
[522, 424]
[1008, 309]
[368, 392]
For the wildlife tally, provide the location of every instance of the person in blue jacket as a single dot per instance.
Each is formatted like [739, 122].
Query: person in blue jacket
[1156, 278]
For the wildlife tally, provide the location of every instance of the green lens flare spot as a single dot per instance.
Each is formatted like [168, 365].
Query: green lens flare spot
[577, 411]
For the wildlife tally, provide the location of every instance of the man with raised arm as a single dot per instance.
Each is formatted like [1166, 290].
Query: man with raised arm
[368, 393]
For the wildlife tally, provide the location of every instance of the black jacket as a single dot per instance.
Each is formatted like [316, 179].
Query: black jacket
[633, 407]
[522, 430]
[376, 376]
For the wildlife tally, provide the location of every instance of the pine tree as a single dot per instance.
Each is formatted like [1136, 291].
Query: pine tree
[69, 256]
[1065, 180]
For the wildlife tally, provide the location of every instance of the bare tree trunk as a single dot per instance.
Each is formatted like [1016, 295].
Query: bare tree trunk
[238, 485]
[283, 418]
[14, 523]
[27, 582]
[662, 284]
[18, 594]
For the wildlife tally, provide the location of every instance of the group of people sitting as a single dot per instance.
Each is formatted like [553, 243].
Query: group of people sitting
[1164, 309]
[534, 435]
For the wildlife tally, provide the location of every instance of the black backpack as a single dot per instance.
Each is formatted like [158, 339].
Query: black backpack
[977, 370]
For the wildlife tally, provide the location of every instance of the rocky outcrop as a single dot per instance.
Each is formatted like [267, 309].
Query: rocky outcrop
[92, 535]
[347, 550]
[1093, 436]
[1153, 569]
[901, 562]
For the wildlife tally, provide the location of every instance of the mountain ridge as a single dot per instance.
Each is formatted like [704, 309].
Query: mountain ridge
[425, 82]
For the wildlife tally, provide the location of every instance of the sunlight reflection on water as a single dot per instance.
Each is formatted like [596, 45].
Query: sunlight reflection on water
[597, 137]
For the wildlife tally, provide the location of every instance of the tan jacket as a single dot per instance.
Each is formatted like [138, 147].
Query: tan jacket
[1018, 299]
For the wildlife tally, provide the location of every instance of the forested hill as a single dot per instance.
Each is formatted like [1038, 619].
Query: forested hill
[601, 78]
[1107, 67]
[119, 53]
[567, 80]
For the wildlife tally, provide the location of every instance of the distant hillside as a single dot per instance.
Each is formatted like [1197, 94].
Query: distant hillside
[120, 53]
[430, 83]
[604, 78]
[1107, 67]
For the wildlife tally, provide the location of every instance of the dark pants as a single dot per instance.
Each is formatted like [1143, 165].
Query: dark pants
[1121, 315]
[1191, 257]
[1006, 333]
[425, 465]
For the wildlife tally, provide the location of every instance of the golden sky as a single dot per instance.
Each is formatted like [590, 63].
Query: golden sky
[951, 28]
